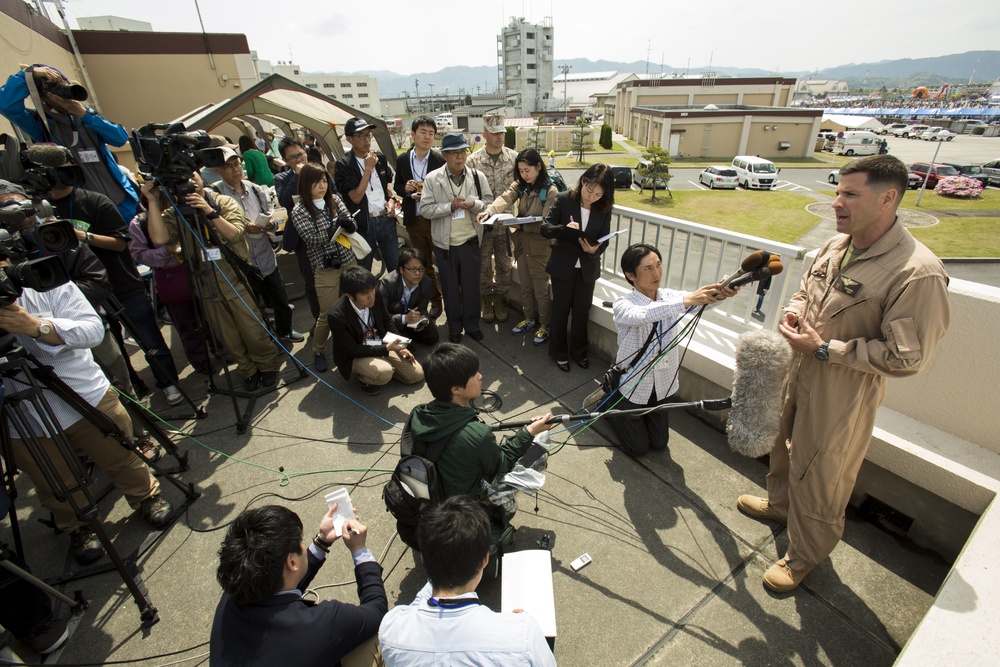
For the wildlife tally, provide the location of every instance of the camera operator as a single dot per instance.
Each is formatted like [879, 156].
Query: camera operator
[245, 339]
[58, 327]
[86, 270]
[71, 124]
[98, 225]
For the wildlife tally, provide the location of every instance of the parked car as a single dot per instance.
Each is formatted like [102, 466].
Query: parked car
[937, 134]
[829, 140]
[623, 175]
[912, 183]
[937, 172]
[911, 131]
[992, 169]
[892, 127]
[648, 181]
[972, 123]
[971, 171]
[755, 173]
[719, 177]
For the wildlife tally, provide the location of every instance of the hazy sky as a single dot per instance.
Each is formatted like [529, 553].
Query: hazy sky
[782, 35]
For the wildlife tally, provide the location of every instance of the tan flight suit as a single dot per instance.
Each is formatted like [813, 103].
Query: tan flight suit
[888, 328]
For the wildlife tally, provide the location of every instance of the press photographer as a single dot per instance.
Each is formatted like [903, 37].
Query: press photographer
[58, 327]
[245, 339]
[60, 116]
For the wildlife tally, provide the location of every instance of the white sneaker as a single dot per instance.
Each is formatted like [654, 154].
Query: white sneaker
[173, 395]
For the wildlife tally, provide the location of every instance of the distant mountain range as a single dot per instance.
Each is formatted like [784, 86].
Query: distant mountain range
[905, 72]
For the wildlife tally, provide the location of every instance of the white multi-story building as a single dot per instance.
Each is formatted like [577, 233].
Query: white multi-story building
[356, 90]
[524, 61]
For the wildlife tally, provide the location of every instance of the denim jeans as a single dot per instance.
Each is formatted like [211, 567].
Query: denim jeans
[382, 230]
[140, 313]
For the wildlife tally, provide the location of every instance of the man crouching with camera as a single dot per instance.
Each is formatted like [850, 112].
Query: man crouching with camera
[58, 327]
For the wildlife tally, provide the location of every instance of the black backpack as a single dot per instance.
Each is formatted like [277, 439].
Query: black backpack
[413, 487]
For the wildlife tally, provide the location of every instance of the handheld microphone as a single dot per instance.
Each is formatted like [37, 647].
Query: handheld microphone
[751, 262]
[762, 359]
[711, 404]
[49, 155]
[763, 273]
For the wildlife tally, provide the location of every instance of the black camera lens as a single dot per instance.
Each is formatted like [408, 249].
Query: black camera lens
[69, 91]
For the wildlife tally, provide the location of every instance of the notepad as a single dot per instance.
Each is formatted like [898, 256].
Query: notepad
[527, 585]
[610, 236]
[510, 220]
[345, 510]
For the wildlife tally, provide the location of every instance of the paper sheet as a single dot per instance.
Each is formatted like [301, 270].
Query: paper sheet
[345, 510]
[527, 585]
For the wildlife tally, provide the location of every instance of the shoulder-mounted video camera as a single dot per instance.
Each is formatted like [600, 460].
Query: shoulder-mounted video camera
[171, 154]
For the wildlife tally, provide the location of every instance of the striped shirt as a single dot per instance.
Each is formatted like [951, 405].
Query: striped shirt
[635, 314]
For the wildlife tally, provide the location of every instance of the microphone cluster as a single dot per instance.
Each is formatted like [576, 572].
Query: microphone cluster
[758, 265]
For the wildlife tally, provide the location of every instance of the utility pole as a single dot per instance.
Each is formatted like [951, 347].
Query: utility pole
[432, 95]
[565, 72]
[79, 58]
[416, 84]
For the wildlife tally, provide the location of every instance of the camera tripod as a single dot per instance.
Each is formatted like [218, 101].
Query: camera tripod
[64, 473]
[204, 253]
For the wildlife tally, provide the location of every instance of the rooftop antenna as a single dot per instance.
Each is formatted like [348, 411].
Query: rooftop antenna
[649, 47]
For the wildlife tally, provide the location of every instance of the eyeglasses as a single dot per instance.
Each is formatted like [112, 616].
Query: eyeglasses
[415, 269]
[295, 156]
[363, 136]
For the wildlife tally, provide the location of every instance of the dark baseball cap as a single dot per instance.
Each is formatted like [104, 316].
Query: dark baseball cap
[355, 125]
[8, 188]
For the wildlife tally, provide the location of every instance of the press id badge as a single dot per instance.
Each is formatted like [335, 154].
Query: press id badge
[211, 254]
[88, 156]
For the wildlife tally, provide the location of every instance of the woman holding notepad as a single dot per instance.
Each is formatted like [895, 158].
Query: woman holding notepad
[578, 221]
[529, 196]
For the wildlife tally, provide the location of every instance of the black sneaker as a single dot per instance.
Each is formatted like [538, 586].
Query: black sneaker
[294, 337]
[156, 511]
[84, 546]
[50, 637]
[251, 382]
[269, 378]
[435, 311]
[371, 389]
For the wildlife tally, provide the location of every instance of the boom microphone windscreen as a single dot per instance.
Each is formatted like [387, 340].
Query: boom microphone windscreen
[762, 359]
[751, 262]
[49, 155]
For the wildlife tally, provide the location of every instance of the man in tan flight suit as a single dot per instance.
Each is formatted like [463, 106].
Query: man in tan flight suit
[873, 305]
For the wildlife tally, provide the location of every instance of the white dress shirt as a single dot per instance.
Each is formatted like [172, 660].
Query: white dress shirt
[635, 314]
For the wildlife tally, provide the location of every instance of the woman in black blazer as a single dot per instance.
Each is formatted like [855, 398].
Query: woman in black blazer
[576, 220]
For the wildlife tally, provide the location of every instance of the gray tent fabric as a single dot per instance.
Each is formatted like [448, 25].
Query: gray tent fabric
[282, 102]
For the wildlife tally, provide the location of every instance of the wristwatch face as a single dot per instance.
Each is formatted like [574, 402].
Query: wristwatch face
[45, 328]
[823, 353]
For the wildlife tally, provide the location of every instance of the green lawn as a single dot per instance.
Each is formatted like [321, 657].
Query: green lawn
[780, 216]
[590, 158]
[962, 237]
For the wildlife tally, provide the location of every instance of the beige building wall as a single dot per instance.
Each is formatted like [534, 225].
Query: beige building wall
[704, 99]
[765, 142]
[22, 46]
[758, 99]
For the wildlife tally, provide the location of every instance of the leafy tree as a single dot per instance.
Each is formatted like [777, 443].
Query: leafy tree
[535, 139]
[399, 135]
[606, 142]
[656, 169]
[510, 137]
[580, 138]
[468, 100]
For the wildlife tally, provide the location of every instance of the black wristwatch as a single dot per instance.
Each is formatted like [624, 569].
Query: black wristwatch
[822, 353]
[322, 544]
[212, 215]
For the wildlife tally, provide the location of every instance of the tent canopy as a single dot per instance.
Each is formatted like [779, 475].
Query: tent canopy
[282, 102]
[851, 122]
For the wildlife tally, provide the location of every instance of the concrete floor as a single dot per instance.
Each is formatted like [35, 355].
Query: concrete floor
[676, 572]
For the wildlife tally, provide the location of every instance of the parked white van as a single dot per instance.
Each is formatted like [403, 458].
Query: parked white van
[857, 142]
[755, 173]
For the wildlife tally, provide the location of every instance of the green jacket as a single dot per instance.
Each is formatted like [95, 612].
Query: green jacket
[472, 453]
[255, 163]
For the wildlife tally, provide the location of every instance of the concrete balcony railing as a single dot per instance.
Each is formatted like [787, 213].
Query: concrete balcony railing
[934, 455]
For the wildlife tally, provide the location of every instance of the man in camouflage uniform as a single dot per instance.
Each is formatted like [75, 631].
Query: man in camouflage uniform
[497, 162]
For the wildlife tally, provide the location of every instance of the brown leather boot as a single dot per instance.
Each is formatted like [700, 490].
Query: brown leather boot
[488, 314]
[499, 309]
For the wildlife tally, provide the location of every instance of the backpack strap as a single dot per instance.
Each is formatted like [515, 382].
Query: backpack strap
[642, 350]
[479, 189]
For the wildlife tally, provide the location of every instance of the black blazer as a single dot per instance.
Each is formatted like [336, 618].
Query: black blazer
[566, 250]
[404, 172]
[347, 332]
[391, 289]
[287, 630]
[346, 176]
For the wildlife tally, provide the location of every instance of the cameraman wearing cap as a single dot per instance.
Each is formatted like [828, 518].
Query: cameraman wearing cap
[364, 179]
[69, 123]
